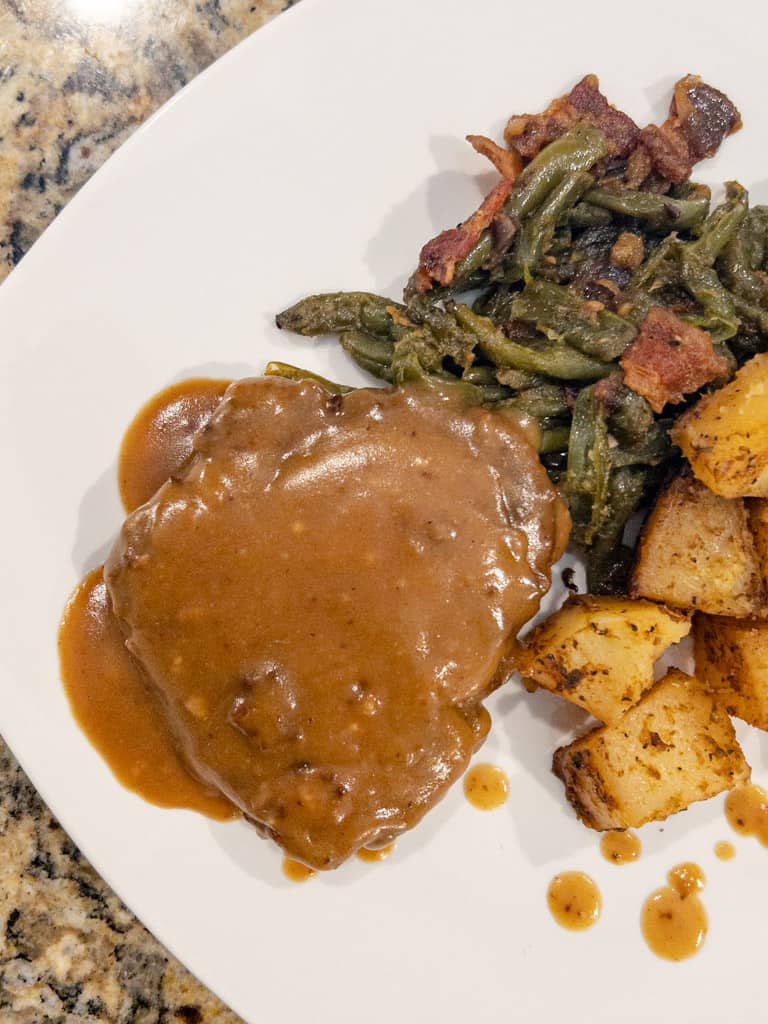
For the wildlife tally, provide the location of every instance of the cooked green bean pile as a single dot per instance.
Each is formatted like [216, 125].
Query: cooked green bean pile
[537, 317]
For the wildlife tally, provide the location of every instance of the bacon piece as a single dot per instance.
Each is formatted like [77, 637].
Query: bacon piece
[700, 117]
[618, 127]
[507, 162]
[529, 133]
[668, 152]
[639, 167]
[669, 359]
[439, 256]
[706, 115]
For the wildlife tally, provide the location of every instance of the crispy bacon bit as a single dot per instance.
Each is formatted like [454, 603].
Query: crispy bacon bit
[529, 133]
[620, 130]
[706, 115]
[507, 162]
[639, 166]
[669, 359]
[439, 256]
[699, 119]
[667, 151]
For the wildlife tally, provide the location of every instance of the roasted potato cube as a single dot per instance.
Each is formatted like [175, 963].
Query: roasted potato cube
[598, 652]
[676, 746]
[725, 435]
[757, 510]
[732, 662]
[697, 551]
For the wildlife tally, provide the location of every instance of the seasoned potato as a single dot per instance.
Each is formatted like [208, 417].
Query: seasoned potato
[697, 551]
[725, 435]
[598, 652]
[676, 746]
[757, 510]
[732, 662]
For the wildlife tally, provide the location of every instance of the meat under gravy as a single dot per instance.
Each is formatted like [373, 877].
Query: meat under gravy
[324, 596]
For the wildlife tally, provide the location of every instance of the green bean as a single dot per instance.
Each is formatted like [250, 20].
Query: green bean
[345, 311]
[480, 375]
[517, 380]
[588, 470]
[371, 354]
[478, 256]
[492, 389]
[490, 395]
[630, 417]
[651, 450]
[551, 359]
[443, 332]
[585, 216]
[543, 401]
[659, 268]
[576, 150]
[659, 213]
[743, 256]
[719, 315]
[554, 439]
[537, 232]
[609, 560]
[276, 369]
[496, 303]
[721, 225]
[751, 313]
[560, 314]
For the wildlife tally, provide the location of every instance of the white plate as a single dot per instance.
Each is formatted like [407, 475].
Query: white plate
[320, 154]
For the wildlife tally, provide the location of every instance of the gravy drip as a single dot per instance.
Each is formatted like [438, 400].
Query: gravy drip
[374, 856]
[620, 847]
[116, 710]
[160, 438]
[486, 787]
[725, 850]
[673, 920]
[746, 809]
[574, 901]
[295, 871]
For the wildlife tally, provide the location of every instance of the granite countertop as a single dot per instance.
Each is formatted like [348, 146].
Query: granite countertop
[76, 78]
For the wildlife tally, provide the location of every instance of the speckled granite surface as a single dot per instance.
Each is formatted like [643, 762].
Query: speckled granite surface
[75, 79]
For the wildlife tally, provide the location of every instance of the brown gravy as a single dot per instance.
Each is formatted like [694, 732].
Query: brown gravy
[746, 809]
[114, 708]
[620, 847]
[373, 856]
[295, 871]
[574, 900]
[673, 920]
[159, 440]
[725, 850]
[486, 787]
[402, 558]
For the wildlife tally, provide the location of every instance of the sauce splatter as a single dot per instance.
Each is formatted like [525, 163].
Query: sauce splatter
[673, 920]
[486, 787]
[746, 809]
[620, 847]
[372, 856]
[295, 871]
[725, 850]
[574, 900]
[159, 440]
[686, 879]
